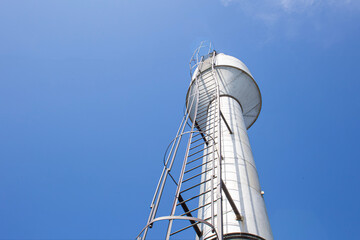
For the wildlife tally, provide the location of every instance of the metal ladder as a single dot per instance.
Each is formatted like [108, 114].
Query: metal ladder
[199, 185]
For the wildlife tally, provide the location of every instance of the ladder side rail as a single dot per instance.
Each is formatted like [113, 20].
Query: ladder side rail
[212, 181]
[212, 128]
[168, 169]
[183, 167]
[165, 165]
[219, 170]
[166, 162]
[157, 197]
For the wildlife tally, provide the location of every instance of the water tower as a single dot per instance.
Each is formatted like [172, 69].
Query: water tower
[214, 186]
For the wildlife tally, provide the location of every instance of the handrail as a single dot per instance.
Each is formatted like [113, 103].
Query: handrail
[162, 180]
[176, 218]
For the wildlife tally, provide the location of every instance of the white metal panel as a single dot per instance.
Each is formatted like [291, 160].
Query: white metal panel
[235, 80]
[240, 177]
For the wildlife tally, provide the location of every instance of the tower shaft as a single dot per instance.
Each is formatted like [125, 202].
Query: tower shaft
[240, 176]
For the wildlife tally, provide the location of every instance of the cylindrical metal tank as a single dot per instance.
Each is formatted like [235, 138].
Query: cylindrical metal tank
[240, 105]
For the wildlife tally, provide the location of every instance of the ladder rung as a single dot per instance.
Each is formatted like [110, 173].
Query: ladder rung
[212, 106]
[204, 117]
[202, 108]
[200, 114]
[206, 83]
[204, 137]
[202, 97]
[195, 159]
[186, 209]
[196, 146]
[196, 208]
[198, 166]
[198, 140]
[206, 80]
[197, 152]
[209, 218]
[206, 98]
[214, 235]
[198, 158]
[205, 109]
[207, 127]
[182, 229]
[212, 78]
[207, 92]
[206, 74]
[207, 89]
[207, 86]
[195, 185]
[199, 134]
[192, 198]
[197, 175]
[211, 128]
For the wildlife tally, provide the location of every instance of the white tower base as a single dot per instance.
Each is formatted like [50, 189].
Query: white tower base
[240, 177]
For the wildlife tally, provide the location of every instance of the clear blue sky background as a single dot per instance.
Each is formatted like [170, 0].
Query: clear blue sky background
[91, 93]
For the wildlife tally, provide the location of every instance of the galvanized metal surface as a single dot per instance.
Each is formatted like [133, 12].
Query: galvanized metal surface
[240, 177]
[223, 100]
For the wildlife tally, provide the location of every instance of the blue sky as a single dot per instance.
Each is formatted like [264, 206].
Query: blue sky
[92, 92]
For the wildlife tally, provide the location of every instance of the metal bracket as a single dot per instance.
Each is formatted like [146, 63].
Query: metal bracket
[231, 201]
[186, 209]
[227, 125]
[202, 135]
